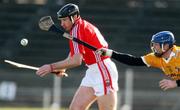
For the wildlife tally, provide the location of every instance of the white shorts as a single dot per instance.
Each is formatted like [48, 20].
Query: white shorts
[102, 77]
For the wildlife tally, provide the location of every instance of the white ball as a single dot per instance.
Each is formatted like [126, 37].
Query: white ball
[24, 42]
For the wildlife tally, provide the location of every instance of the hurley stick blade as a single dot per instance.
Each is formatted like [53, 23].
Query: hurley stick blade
[45, 23]
[19, 65]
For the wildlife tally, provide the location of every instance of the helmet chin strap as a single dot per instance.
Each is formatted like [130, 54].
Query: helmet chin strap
[162, 47]
[160, 54]
[155, 52]
[72, 20]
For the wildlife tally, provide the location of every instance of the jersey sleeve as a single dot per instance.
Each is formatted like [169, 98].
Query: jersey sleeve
[94, 37]
[128, 59]
[151, 60]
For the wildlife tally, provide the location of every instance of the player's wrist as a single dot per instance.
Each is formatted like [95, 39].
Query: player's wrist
[109, 52]
[178, 83]
[52, 67]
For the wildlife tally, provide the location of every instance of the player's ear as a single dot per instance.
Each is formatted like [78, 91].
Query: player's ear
[74, 17]
[166, 46]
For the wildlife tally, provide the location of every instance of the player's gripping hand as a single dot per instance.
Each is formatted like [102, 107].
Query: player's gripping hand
[44, 70]
[60, 73]
[166, 84]
[47, 68]
[104, 52]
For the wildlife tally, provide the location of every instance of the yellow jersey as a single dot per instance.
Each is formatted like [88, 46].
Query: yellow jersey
[170, 66]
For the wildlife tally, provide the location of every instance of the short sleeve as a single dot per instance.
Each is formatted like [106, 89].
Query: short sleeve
[151, 60]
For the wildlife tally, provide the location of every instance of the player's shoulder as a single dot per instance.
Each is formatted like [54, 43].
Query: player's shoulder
[87, 26]
[177, 47]
[150, 56]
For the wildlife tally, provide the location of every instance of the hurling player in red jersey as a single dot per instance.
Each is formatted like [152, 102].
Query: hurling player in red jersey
[101, 78]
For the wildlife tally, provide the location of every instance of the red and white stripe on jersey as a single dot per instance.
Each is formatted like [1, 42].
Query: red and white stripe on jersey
[75, 44]
[107, 80]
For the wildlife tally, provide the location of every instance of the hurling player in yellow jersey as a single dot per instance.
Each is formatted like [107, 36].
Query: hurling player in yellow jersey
[165, 56]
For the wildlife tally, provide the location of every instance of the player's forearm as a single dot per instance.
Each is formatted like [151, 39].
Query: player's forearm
[69, 62]
[127, 59]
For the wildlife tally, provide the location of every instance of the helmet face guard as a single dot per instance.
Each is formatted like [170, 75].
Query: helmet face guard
[162, 38]
[68, 10]
[155, 51]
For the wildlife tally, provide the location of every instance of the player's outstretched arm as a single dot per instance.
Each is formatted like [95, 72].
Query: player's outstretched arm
[60, 66]
[122, 57]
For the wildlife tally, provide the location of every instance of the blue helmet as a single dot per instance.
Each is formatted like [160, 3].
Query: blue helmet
[163, 37]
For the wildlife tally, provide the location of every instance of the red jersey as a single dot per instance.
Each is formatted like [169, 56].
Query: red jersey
[88, 33]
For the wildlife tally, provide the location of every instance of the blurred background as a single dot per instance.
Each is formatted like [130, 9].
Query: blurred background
[126, 24]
